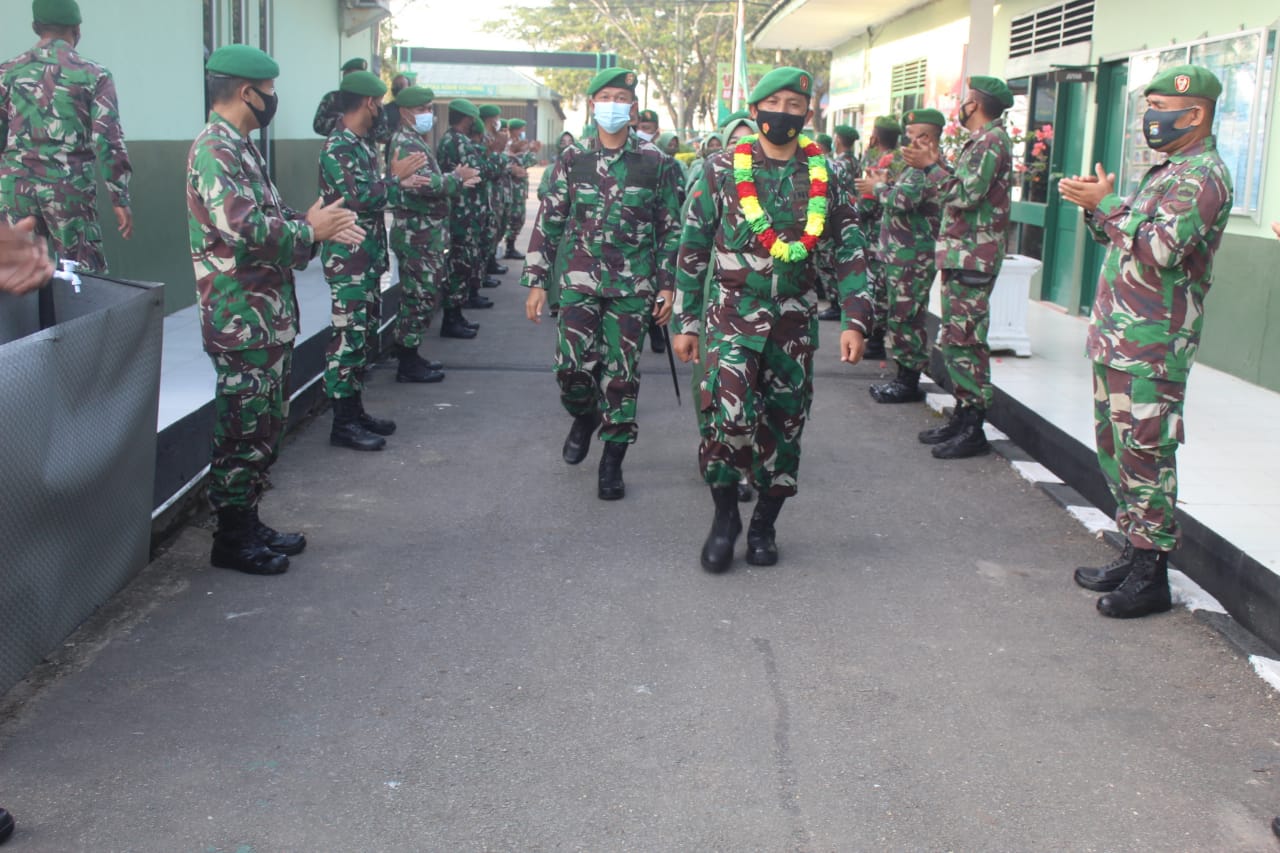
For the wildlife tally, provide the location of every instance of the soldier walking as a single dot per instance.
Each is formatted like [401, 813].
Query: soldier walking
[615, 202]
[1147, 317]
[763, 212]
[971, 248]
[56, 110]
[245, 244]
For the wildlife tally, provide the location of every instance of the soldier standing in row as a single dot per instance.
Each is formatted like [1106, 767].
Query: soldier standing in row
[971, 248]
[909, 221]
[763, 216]
[500, 192]
[420, 233]
[616, 204]
[349, 171]
[1145, 331]
[330, 109]
[518, 211]
[845, 171]
[882, 154]
[58, 113]
[245, 245]
[647, 126]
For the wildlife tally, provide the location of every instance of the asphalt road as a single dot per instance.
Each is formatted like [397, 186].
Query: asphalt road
[475, 653]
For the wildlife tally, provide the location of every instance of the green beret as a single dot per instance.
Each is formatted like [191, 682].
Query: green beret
[462, 106]
[887, 123]
[621, 78]
[363, 83]
[993, 86]
[792, 79]
[1188, 81]
[738, 116]
[517, 123]
[824, 139]
[489, 111]
[933, 117]
[848, 133]
[244, 61]
[648, 115]
[415, 96]
[58, 13]
[355, 65]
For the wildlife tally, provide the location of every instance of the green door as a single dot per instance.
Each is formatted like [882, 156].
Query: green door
[1108, 142]
[1062, 219]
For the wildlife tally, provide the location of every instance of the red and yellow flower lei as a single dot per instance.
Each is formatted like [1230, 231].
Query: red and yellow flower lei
[816, 219]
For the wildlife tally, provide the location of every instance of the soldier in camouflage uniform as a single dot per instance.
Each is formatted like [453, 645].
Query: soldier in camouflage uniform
[245, 244]
[883, 155]
[911, 213]
[420, 233]
[329, 110]
[761, 329]
[500, 193]
[614, 207]
[518, 211]
[349, 171]
[58, 114]
[971, 248]
[1147, 317]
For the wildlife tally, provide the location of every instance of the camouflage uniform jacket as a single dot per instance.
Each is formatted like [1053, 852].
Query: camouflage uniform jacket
[618, 213]
[328, 113]
[870, 209]
[747, 277]
[473, 205]
[244, 243]
[975, 213]
[846, 169]
[911, 217]
[1148, 312]
[349, 170]
[56, 108]
[432, 201]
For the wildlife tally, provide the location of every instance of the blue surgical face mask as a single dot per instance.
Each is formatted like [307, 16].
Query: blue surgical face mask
[611, 117]
[423, 122]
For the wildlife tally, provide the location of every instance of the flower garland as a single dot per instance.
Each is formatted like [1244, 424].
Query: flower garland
[816, 219]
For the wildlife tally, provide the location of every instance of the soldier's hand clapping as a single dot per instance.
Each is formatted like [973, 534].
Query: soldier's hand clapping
[406, 166]
[498, 142]
[1088, 192]
[334, 222]
[469, 176]
[24, 259]
[921, 154]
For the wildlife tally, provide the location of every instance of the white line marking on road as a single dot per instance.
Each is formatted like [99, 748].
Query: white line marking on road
[1094, 520]
[994, 434]
[1268, 670]
[1191, 595]
[938, 402]
[1034, 472]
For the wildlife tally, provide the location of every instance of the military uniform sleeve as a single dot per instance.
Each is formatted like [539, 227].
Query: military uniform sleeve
[666, 227]
[849, 257]
[548, 227]
[967, 187]
[441, 184]
[1182, 221]
[338, 173]
[113, 159]
[697, 239]
[4, 111]
[912, 187]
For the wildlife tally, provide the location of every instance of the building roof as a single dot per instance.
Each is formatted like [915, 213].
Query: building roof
[823, 24]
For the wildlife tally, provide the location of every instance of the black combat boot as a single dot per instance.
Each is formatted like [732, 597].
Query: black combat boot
[490, 281]
[611, 486]
[289, 544]
[6, 826]
[452, 325]
[947, 431]
[478, 302]
[831, 312]
[470, 324]
[495, 268]
[745, 494]
[656, 342]
[875, 346]
[762, 550]
[904, 388]
[414, 368]
[512, 254]
[578, 442]
[971, 440]
[236, 545]
[377, 426]
[717, 551]
[1108, 577]
[348, 431]
[1144, 591]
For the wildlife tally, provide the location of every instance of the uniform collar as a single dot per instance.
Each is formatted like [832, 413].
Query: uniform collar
[1206, 145]
[216, 119]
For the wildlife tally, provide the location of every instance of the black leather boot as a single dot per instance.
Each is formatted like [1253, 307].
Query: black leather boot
[1144, 591]
[762, 550]
[236, 545]
[611, 487]
[578, 442]
[512, 254]
[6, 826]
[347, 430]
[377, 426]
[453, 326]
[656, 342]
[289, 544]
[495, 268]
[414, 368]
[970, 440]
[905, 388]
[1108, 577]
[490, 281]
[947, 431]
[478, 302]
[831, 312]
[875, 346]
[717, 551]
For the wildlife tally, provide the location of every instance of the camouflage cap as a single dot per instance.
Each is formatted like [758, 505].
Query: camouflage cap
[356, 64]
[926, 116]
[792, 79]
[415, 96]
[1187, 81]
[244, 61]
[462, 106]
[848, 133]
[621, 78]
[490, 111]
[58, 13]
[648, 115]
[993, 86]
[363, 83]
[887, 123]
[517, 123]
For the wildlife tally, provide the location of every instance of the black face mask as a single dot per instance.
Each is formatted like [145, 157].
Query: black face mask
[964, 117]
[779, 128]
[1157, 126]
[269, 104]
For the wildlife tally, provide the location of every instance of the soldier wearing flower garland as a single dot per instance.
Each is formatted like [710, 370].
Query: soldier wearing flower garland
[761, 215]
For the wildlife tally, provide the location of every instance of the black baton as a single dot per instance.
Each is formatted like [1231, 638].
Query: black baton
[671, 358]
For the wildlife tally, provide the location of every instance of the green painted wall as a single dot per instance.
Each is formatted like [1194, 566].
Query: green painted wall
[1242, 311]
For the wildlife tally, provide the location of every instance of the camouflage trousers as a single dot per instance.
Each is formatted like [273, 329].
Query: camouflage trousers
[908, 288]
[518, 211]
[251, 405]
[355, 313]
[1138, 427]
[423, 277]
[966, 314]
[754, 403]
[597, 359]
[66, 212]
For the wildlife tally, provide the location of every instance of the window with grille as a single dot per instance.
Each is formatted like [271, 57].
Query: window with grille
[1052, 28]
[907, 85]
